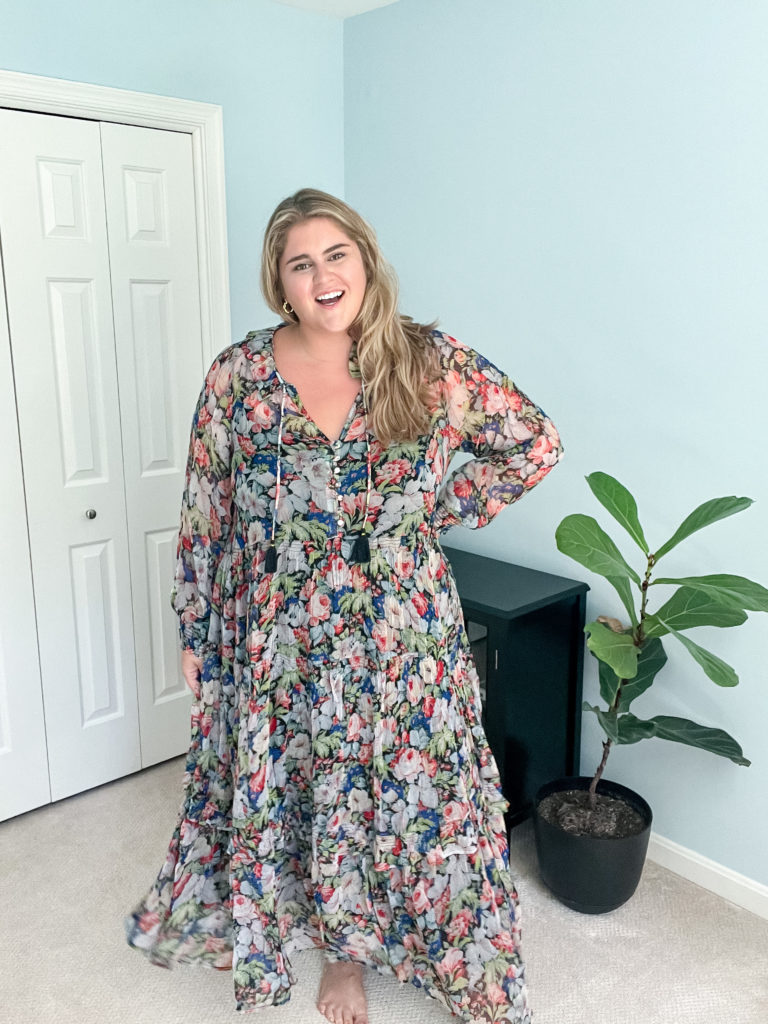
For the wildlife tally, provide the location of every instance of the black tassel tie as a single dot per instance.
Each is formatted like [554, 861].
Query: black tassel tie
[361, 550]
[270, 559]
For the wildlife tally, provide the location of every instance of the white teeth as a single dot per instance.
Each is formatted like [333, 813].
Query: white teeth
[329, 295]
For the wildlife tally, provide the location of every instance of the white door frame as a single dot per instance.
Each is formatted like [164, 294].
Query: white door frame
[203, 121]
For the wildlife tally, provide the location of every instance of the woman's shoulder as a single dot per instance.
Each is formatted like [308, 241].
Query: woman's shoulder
[455, 354]
[248, 359]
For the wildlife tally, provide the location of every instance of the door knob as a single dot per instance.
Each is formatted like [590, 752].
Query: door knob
[90, 513]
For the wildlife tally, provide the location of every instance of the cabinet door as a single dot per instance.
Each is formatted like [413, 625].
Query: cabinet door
[23, 760]
[56, 264]
[149, 190]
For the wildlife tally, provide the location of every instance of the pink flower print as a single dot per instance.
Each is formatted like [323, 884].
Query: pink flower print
[415, 688]
[201, 457]
[261, 415]
[452, 964]
[514, 401]
[460, 924]
[435, 857]
[494, 506]
[260, 368]
[393, 471]
[539, 449]
[338, 571]
[242, 908]
[457, 400]
[504, 941]
[496, 993]
[434, 457]
[247, 447]
[356, 429]
[494, 399]
[454, 814]
[407, 766]
[383, 636]
[189, 832]
[421, 901]
[222, 380]
[148, 920]
[354, 727]
[484, 475]
[319, 608]
[404, 563]
[535, 477]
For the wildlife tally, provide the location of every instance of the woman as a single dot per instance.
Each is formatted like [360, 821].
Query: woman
[340, 792]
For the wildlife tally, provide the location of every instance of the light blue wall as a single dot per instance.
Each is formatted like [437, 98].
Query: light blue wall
[578, 189]
[276, 71]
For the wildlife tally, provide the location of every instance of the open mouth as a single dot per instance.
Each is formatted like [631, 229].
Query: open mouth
[329, 299]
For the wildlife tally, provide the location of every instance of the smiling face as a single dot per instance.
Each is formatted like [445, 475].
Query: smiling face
[322, 275]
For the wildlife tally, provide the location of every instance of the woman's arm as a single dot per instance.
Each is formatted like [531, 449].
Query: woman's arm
[514, 443]
[206, 511]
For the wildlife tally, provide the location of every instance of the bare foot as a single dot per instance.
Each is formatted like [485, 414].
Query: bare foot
[341, 998]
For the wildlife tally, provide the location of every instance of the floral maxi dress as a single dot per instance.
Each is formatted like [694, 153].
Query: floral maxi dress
[339, 790]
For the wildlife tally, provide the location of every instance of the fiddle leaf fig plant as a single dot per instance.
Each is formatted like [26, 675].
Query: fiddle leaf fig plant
[631, 656]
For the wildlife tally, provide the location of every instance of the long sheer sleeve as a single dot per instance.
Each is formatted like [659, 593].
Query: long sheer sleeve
[206, 511]
[514, 443]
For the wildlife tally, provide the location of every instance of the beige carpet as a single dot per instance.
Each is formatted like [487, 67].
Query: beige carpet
[675, 954]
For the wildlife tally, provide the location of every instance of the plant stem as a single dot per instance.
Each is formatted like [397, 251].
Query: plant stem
[638, 639]
[598, 775]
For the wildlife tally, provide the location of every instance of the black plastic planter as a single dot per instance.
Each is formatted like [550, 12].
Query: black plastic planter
[591, 875]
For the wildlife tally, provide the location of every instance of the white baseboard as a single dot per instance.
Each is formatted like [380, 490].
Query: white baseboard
[730, 885]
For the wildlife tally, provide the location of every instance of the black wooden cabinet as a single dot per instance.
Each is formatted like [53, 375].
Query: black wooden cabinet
[527, 633]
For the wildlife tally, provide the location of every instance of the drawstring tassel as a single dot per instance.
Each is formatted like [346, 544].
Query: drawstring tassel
[361, 550]
[270, 559]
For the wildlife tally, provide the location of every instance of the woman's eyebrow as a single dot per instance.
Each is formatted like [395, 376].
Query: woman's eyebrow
[305, 256]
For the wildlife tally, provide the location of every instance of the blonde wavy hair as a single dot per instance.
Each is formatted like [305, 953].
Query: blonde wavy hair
[396, 355]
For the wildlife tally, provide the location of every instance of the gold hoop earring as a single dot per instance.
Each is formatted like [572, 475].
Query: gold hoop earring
[287, 308]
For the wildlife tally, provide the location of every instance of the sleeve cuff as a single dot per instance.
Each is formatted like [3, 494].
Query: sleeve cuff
[194, 636]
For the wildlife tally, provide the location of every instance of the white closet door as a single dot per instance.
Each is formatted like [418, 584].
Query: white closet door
[56, 264]
[23, 759]
[149, 190]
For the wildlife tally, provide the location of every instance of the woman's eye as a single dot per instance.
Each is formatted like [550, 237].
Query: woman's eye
[336, 256]
[300, 266]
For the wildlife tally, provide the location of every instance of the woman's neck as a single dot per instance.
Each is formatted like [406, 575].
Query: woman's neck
[319, 347]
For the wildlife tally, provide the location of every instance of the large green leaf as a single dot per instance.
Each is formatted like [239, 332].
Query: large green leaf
[609, 682]
[736, 591]
[688, 608]
[623, 588]
[651, 661]
[607, 719]
[616, 649]
[615, 497]
[706, 514]
[716, 741]
[583, 539]
[719, 671]
[632, 730]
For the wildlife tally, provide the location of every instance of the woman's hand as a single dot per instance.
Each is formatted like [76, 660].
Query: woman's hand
[191, 668]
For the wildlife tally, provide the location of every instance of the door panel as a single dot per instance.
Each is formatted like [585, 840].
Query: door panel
[149, 189]
[56, 266]
[23, 758]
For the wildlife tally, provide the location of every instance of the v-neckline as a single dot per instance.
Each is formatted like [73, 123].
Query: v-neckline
[300, 404]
